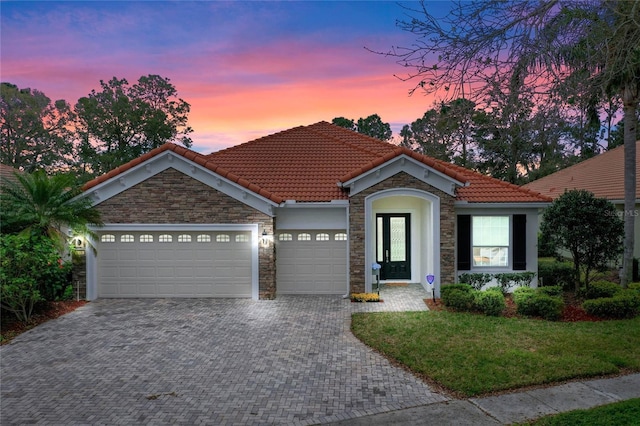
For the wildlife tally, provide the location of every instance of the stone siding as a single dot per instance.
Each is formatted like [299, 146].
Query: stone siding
[173, 197]
[358, 269]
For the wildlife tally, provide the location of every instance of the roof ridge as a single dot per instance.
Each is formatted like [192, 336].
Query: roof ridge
[252, 141]
[343, 142]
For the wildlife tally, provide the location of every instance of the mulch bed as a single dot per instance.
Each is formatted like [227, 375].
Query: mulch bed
[573, 311]
[10, 327]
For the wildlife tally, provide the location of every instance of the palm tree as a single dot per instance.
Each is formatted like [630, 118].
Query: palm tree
[36, 204]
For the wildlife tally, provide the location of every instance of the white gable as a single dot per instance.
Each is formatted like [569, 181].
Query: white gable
[167, 160]
[403, 163]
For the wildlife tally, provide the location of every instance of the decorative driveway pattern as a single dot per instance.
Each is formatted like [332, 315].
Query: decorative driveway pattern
[201, 361]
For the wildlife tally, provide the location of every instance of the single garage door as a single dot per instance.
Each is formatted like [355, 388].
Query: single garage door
[174, 264]
[311, 262]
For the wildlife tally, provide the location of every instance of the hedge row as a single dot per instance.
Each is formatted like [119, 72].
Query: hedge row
[608, 300]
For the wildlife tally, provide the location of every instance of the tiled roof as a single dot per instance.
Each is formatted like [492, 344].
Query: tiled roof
[7, 171]
[306, 164]
[603, 175]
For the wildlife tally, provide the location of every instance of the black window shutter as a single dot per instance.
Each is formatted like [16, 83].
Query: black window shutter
[464, 242]
[519, 242]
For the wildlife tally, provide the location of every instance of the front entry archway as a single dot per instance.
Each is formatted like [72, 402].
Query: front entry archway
[402, 234]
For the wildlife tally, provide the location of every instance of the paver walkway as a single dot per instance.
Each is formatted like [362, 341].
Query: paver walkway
[194, 361]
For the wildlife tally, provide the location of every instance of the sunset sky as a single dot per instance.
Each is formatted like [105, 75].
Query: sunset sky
[248, 69]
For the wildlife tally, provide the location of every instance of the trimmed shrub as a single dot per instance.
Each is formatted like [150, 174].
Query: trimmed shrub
[521, 294]
[634, 286]
[601, 289]
[475, 280]
[625, 304]
[554, 290]
[509, 280]
[490, 302]
[553, 273]
[532, 302]
[451, 287]
[458, 299]
[547, 307]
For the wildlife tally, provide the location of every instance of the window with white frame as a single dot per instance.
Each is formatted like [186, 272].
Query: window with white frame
[127, 238]
[108, 238]
[304, 237]
[184, 238]
[285, 237]
[165, 238]
[146, 238]
[203, 238]
[322, 237]
[490, 240]
[242, 238]
[341, 236]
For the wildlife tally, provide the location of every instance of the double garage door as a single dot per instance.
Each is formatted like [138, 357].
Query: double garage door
[174, 264]
[311, 262]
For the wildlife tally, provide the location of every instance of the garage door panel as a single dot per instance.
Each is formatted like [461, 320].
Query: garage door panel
[169, 268]
[313, 266]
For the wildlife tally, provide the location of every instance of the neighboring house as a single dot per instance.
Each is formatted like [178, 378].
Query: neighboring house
[7, 173]
[603, 175]
[305, 211]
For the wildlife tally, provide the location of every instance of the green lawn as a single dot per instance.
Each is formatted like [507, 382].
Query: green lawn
[472, 354]
[620, 413]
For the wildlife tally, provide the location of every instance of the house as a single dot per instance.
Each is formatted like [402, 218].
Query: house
[308, 210]
[603, 175]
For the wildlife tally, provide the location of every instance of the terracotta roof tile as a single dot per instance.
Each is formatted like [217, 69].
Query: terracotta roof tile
[603, 175]
[187, 153]
[306, 163]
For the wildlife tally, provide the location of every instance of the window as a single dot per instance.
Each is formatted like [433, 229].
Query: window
[184, 238]
[126, 238]
[304, 237]
[222, 238]
[285, 237]
[146, 238]
[108, 238]
[242, 238]
[322, 237]
[341, 237]
[203, 238]
[165, 238]
[490, 240]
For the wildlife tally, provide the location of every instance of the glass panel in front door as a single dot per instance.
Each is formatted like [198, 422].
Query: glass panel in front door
[398, 239]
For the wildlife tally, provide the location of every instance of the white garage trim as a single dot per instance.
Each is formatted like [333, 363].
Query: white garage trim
[92, 265]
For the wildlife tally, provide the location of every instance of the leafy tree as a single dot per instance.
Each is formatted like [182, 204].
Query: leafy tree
[374, 126]
[346, 123]
[35, 132]
[482, 45]
[445, 132]
[371, 126]
[36, 204]
[587, 227]
[30, 271]
[122, 121]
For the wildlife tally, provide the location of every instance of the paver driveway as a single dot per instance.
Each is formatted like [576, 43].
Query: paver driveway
[194, 361]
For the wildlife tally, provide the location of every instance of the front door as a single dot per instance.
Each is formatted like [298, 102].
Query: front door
[393, 245]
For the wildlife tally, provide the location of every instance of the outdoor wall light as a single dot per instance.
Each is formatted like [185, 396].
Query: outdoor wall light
[266, 238]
